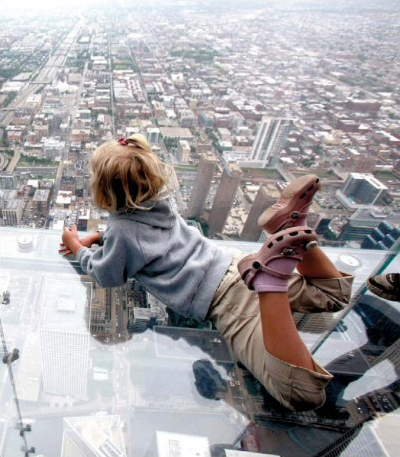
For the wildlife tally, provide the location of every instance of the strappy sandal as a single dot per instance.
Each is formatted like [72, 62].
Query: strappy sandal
[290, 243]
[293, 204]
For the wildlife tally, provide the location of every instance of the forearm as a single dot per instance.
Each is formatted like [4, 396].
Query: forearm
[91, 238]
[71, 243]
[74, 246]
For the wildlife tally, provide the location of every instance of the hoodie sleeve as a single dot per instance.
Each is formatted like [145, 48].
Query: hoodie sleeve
[101, 237]
[113, 262]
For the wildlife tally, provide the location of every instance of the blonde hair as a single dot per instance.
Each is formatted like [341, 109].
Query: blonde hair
[125, 173]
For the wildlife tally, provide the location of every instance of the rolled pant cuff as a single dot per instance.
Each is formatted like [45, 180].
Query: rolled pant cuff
[296, 387]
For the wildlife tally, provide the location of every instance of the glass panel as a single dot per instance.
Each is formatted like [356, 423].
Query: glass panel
[84, 384]
[98, 370]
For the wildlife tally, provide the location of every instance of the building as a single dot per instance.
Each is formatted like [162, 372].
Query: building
[15, 133]
[80, 135]
[364, 105]
[270, 140]
[41, 201]
[392, 353]
[11, 208]
[360, 224]
[83, 218]
[171, 135]
[183, 151]
[100, 312]
[64, 199]
[224, 198]
[153, 135]
[52, 148]
[251, 230]
[359, 161]
[363, 189]
[348, 125]
[79, 185]
[8, 181]
[383, 237]
[202, 185]
[168, 444]
[93, 436]
[363, 442]
[12, 213]
[64, 338]
[187, 118]
[143, 318]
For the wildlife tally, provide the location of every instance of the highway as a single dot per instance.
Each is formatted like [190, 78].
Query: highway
[45, 75]
[14, 161]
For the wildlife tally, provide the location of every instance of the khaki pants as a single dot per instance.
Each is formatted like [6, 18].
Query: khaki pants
[235, 313]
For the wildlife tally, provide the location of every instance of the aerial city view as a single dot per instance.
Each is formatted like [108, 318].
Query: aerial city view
[237, 98]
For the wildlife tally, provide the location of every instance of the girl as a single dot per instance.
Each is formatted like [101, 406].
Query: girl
[249, 299]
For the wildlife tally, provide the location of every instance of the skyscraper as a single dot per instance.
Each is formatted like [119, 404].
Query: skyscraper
[202, 185]
[64, 338]
[93, 436]
[364, 188]
[264, 199]
[224, 197]
[153, 135]
[183, 151]
[270, 140]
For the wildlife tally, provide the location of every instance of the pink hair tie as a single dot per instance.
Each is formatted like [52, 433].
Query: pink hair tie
[123, 141]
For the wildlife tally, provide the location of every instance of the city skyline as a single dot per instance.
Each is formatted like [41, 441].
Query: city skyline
[48, 4]
[199, 80]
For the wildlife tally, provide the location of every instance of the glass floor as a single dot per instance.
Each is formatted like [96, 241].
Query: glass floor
[93, 372]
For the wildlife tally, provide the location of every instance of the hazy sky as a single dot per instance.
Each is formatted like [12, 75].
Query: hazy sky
[58, 3]
[52, 4]
[42, 3]
[38, 4]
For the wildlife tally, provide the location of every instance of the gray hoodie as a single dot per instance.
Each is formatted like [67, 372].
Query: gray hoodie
[173, 261]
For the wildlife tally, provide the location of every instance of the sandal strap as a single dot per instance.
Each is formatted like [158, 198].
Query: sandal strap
[276, 273]
[287, 244]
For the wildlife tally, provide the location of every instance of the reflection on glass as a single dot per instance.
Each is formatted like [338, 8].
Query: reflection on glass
[114, 370]
[100, 368]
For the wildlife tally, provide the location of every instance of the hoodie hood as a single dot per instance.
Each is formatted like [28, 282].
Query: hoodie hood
[158, 213]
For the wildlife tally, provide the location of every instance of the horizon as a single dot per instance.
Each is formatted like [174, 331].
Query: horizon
[40, 4]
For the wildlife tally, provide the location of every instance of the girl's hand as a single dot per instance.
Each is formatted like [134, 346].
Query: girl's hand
[70, 241]
[87, 242]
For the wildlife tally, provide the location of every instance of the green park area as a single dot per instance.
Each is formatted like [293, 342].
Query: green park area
[26, 161]
[268, 173]
[185, 168]
[385, 176]
[320, 172]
